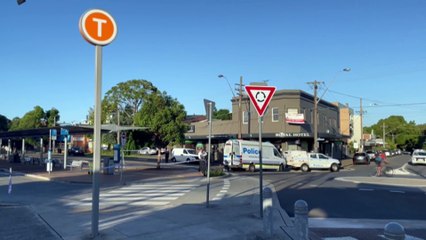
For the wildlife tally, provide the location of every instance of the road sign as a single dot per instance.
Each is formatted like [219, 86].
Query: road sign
[98, 27]
[260, 96]
[207, 108]
[64, 132]
[53, 134]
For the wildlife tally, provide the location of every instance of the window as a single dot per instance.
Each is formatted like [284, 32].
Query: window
[245, 117]
[275, 115]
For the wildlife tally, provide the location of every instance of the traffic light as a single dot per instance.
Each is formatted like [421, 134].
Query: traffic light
[20, 2]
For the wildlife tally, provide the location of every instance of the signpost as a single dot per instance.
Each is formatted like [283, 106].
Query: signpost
[209, 105]
[98, 28]
[64, 134]
[260, 96]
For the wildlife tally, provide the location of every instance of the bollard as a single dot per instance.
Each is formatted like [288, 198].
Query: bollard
[301, 220]
[394, 231]
[267, 211]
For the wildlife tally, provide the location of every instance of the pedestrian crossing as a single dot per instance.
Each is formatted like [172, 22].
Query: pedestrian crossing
[137, 195]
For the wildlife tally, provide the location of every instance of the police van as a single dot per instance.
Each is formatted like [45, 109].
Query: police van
[245, 155]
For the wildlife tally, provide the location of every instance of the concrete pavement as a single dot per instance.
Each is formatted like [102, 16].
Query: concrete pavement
[233, 212]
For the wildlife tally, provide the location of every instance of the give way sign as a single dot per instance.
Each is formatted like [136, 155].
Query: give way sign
[260, 96]
[98, 27]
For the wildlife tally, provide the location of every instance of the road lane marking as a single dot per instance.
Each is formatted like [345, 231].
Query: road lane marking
[366, 189]
[223, 191]
[396, 191]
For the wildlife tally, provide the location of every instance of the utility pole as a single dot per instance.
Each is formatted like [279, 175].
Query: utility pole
[240, 111]
[384, 135]
[315, 123]
[118, 125]
[361, 147]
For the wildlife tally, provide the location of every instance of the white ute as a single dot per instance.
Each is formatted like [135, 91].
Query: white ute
[418, 157]
[245, 155]
[307, 161]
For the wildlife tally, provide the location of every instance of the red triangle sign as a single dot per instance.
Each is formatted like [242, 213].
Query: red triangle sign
[260, 96]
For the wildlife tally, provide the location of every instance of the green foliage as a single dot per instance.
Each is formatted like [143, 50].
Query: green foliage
[52, 117]
[32, 119]
[222, 114]
[139, 103]
[130, 145]
[128, 98]
[399, 133]
[109, 138]
[4, 123]
[164, 116]
[216, 171]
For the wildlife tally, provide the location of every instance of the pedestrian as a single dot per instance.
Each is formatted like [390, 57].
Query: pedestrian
[158, 158]
[166, 155]
[202, 154]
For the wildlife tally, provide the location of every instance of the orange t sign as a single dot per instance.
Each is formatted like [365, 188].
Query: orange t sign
[98, 27]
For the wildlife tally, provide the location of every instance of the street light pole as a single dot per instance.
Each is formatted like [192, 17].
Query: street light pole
[316, 101]
[239, 102]
[361, 142]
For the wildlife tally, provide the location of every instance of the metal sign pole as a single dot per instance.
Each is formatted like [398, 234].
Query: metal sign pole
[65, 151]
[208, 156]
[97, 141]
[260, 167]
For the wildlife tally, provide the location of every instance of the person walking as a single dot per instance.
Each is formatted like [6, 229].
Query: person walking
[158, 158]
[166, 155]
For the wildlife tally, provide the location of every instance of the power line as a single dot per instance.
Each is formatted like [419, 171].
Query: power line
[378, 105]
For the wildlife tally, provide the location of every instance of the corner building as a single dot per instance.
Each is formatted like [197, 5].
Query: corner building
[287, 123]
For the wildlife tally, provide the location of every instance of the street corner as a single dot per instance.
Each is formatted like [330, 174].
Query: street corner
[25, 224]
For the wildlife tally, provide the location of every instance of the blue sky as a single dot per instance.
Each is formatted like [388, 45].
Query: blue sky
[182, 46]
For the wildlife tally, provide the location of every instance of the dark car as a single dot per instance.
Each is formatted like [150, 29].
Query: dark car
[76, 151]
[361, 157]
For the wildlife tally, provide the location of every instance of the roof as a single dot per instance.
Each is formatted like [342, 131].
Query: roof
[72, 130]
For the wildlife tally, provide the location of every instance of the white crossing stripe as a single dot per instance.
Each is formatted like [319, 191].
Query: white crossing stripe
[223, 191]
[138, 195]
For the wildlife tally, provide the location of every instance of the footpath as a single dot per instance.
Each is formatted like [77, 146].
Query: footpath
[233, 211]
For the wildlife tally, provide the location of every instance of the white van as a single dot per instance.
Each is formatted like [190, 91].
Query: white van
[306, 161]
[183, 154]
[245, 154]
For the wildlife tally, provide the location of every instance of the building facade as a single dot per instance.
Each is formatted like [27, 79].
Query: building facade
[287, 123]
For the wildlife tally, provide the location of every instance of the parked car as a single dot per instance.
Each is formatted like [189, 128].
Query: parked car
[361, 157]
[183, 154]
[76, 151]
[148, 150]
[371, 154]
[387, 153]
[418, 157]
[307, 161]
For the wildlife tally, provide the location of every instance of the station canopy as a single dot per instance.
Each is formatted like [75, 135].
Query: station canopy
[72, 130]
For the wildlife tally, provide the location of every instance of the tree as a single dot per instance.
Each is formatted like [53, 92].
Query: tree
[398, 133]
[4, 123]
[52, 117]
[222, 114]
[140, 103]
[32, 119]
[128, 98]
[164, 116]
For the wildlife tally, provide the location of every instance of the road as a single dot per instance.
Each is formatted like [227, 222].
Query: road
[328, 197]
